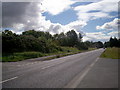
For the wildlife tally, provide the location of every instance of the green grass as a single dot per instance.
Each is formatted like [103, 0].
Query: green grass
[58, 56]
[64, 50]
[71, 51]
[21, 56]
[112, 53]
[91, 49]
[28, 55]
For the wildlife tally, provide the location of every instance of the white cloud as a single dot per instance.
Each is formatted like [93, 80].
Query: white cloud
[77, 25]
[110, 28]
[32, 19]
[55, 28]
[96, 36]
[113, 25]
[18, 28]
[114, 33]
[101, 10]
[100, 36]
[90, 16]
[40, 23]
[58, 28]
[55, 7]
[87, 0]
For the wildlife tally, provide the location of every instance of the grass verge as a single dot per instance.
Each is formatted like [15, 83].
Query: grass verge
[21, 56]
[28, 55]
[58, 56]
[113, 53]
[71, 53]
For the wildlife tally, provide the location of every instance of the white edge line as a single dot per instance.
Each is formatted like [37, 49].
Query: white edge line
[76, 81]
[8, 79]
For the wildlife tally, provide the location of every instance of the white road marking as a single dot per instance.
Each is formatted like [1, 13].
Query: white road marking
[28, 64]
[8, 79]
[36, 62]
[52, 65]
[94, 62]
[76, 81]
[46, 67]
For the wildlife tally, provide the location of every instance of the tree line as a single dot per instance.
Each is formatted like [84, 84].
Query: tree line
[43, 41]
[113, 42]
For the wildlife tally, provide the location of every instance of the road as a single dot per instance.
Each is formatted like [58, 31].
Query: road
[62, 72]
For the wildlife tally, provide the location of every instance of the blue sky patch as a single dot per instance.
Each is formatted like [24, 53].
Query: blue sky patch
[91, 26]
[80, 3]
[63, 18]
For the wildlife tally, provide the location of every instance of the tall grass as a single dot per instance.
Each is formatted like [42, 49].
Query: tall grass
[21, 56]
[113, 53]
[12, 57]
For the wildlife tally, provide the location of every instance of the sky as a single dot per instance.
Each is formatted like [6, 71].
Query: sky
[96, 20]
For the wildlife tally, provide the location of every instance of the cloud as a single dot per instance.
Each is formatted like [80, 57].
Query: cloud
[21, 0]
[113, 25]
[100, 36]
[96, 36]
[91, 16]
[110, 28]
[114, 33]
[13, 12]
[77, 24]
[22, 16]
[58, 28]
[55, 7]
[55, 28]
[96, 10]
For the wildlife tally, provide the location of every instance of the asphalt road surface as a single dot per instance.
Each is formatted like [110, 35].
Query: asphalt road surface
[64, 72]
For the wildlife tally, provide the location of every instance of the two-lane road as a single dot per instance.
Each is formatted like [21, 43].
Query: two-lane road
[56, 73]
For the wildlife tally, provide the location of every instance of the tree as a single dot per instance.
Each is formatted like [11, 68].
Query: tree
[87, 43]
[111, 42]
[119, 42]
[107, 44]
[100, 44]
[38, 34]
[82, 45]
[72, 38]
[115, 42]
[9, 41]
[48, 35]
[80, 37]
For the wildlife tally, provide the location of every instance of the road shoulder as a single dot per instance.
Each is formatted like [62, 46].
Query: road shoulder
[104, 74]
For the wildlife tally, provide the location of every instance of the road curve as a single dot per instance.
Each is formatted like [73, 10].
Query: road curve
[56, 73]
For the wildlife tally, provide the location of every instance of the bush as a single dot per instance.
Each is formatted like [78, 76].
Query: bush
[21, 56]
[82, 46]
[29, 54]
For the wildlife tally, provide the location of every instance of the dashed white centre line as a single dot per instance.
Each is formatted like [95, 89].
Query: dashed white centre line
[28, 64]
[52, 65]
[8, 79]
[46, 67]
